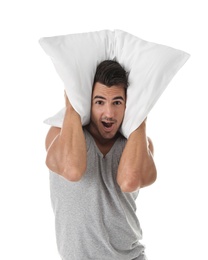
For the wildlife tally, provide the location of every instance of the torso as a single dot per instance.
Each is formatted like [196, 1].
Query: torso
[94, 219]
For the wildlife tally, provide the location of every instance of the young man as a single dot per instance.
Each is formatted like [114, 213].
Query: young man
[95, 175]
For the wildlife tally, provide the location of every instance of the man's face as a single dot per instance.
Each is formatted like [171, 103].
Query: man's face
[107, 110]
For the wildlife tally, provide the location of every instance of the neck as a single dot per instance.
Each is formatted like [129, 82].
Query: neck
[103, 144]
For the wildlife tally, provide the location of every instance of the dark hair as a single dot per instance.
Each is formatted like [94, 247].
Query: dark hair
[110, 72]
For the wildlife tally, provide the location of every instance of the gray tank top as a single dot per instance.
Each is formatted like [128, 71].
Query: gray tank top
[93, 218]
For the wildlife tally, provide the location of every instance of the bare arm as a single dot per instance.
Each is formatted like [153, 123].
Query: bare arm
[136, 168]
[66, 147]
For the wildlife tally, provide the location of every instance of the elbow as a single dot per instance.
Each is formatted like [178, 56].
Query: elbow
[132, 184]
[73, 174]
[70, 173]
[128, 182]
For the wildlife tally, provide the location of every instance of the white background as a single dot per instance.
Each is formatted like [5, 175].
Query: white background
[173, 211]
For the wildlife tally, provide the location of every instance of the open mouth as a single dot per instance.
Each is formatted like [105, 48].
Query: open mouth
[107, 125]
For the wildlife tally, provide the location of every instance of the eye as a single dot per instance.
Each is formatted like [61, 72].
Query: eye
[99, 102]
[117, 103]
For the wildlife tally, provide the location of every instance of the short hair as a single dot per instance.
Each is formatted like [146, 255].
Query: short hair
[109, 73]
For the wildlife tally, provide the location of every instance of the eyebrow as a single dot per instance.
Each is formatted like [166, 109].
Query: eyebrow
[115, 98]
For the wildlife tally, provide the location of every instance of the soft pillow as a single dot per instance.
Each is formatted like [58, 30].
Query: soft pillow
[151, 67]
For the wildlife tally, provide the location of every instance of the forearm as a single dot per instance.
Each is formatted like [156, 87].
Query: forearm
[136, 168]
[67, 153]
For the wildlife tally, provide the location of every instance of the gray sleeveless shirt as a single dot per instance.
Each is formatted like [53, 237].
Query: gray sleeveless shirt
[93, 218]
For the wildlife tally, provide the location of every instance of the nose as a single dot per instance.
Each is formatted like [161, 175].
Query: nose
[109, 111]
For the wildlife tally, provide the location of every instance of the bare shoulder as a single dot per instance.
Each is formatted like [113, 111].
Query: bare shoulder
[51, 135]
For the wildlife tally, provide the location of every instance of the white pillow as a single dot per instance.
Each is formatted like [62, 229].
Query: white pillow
[151, 67]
